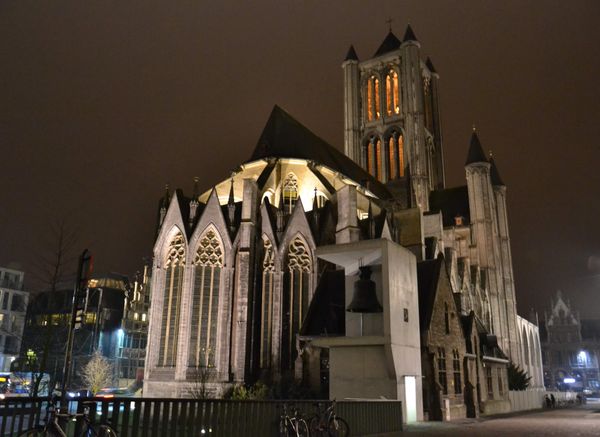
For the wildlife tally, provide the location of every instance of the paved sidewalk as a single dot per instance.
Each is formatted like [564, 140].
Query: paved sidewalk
[571, 422]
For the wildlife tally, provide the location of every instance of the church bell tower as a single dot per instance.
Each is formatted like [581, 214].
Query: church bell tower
[391, 118]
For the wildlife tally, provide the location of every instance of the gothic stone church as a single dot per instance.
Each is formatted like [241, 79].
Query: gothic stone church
[238, 290]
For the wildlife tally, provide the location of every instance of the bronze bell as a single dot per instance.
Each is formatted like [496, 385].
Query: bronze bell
[364, 299]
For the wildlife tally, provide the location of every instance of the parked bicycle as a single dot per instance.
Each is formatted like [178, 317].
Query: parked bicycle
[327, 423]
[292, 425]
[53, 428]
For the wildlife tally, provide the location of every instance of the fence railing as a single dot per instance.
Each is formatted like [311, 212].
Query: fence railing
[154, 417]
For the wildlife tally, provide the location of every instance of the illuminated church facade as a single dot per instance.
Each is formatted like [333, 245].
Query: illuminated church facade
[238, 288]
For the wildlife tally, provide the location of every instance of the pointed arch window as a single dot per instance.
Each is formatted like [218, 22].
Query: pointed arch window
[295, 297]
[392, 93]
[395, 147]
[266, 321]
[290, 192]
[373, 111]
[169, 335]
[208, 263]
[375, 158]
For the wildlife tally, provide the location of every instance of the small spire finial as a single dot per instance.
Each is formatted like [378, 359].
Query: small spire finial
[389, 23]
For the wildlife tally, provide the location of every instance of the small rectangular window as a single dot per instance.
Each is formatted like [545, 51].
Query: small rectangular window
[490, 382]
[406, 314]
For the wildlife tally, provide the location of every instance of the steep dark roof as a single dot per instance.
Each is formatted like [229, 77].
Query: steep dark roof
[428, 276]
[495, 176]
[475, 151]
[351, 55]
[389, 44]
[409, 35]
[451, 202]
[285, 137]
[429, 65]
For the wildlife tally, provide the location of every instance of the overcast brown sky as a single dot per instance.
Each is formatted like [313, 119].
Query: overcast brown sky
[103, 102]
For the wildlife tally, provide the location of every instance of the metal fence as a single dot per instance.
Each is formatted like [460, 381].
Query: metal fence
[154, 417]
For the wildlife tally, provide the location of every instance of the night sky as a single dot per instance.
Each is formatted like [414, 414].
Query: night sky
[103, 102]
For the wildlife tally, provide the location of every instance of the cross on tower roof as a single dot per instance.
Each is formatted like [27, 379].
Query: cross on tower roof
[389, 23]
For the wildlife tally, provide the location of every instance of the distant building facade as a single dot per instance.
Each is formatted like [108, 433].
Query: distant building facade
[571, 349]
[13, 306]
[48, 317]
[133, 341]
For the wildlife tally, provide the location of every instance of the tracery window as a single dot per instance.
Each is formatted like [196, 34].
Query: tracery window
[169, 335]
[290, 192]
[267, 303]
[442, 376]
[456, 368]
[392, 93]
[395, 146]
[295, 297]
[208, 263]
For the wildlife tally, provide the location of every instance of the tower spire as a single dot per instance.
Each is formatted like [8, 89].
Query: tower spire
[231, 207]
[193, 203]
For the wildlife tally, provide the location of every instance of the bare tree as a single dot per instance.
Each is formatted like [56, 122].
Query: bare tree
[97, 373]
[199, 385]
[57, 259]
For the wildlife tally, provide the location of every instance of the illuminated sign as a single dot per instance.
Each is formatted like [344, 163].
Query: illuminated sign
[569, 380]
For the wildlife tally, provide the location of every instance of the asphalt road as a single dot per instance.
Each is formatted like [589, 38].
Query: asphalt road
[567, 422]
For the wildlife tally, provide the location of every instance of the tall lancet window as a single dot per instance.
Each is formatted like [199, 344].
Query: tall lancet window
[266, 320]
[374, 157]
[373, 108]
[392, 93]
[208, 264]
[290, 192]
[395, 146]
[295, 298]
[169, 334]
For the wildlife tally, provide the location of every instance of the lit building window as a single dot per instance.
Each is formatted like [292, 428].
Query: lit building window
[379, 174]
[376, 109]
[395, 145]
[174, 265]
[267, 304]
[290, 192]
[295, 297]
[208, 263]
[442, 376]
[144, 317]
[373, 103]
[392, 93]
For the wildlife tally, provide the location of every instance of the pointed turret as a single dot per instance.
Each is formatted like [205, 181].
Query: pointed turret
[409, 35]
[231, 208]
[495, 175]
[164, 205]
[351, 55]
[280, 216]
[475, 150]
[315, 210]
[194, 203]
[389, 44]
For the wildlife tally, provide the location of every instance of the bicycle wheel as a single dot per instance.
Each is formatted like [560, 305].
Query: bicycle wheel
[35, 432]
[338, 427]
[302, 428]
[100, 431]
[315, 427]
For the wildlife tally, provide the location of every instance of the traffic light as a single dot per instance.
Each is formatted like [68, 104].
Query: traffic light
[79, 318]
